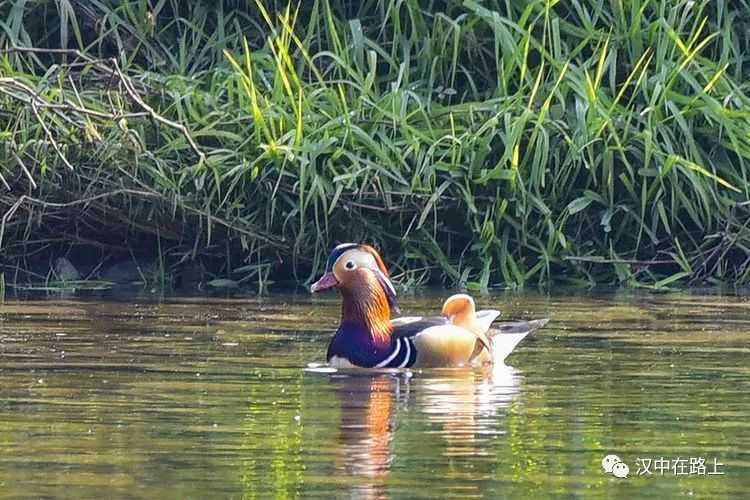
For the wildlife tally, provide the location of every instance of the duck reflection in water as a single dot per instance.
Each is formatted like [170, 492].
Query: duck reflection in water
[462, 403]
[465, 404]
[366, 430]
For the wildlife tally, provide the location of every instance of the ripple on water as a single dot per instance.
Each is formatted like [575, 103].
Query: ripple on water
[195, 398]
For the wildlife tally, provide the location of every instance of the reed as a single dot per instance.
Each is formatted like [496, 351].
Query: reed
[479, 144]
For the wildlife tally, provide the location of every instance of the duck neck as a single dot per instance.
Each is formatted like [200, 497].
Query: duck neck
[366, 304]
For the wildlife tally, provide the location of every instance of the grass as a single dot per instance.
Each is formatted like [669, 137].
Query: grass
[478, 144]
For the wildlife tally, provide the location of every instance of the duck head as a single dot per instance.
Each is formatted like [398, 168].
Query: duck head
[459, 309]
[359, 273]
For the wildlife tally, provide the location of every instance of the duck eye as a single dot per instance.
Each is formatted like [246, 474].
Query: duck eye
[349, 265]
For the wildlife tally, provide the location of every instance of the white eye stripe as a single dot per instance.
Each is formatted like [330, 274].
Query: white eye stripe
[358, 259]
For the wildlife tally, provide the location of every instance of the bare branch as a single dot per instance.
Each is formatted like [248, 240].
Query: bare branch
[156, 116]
[50, 137]
[83, 201]
[36, 102]
[25, 171]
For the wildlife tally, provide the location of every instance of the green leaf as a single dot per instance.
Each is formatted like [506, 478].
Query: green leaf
[579, 204]
[223, 283]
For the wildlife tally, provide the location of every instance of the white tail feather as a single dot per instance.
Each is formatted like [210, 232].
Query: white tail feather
[506, 336]
[503, 344]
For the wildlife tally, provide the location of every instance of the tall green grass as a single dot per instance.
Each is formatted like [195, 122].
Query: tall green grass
[477, 143]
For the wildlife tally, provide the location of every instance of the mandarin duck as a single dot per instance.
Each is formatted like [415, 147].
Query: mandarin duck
[367, 336]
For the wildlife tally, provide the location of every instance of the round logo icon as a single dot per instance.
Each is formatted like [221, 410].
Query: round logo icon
[620, 469]
[609, 462]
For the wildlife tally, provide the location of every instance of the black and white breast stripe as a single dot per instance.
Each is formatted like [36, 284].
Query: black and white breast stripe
[403, 355]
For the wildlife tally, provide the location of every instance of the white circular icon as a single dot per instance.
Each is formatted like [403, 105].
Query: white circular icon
[609, 462]
[620, 469]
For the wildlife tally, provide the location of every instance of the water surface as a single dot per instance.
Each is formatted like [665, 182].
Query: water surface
[209, 398]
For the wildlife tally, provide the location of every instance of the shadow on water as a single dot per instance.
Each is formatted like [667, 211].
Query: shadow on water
[198, 398]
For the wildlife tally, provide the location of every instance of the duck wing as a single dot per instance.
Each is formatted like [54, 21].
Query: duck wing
[437, 342]
[409, 326]
[517, 327]
[486, 317]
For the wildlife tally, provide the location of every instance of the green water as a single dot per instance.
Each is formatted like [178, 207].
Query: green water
[206, 398]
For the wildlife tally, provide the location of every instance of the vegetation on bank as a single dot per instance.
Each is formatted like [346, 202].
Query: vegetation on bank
[476, 143]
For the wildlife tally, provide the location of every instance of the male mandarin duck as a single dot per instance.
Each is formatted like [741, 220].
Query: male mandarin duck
[367, 336]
